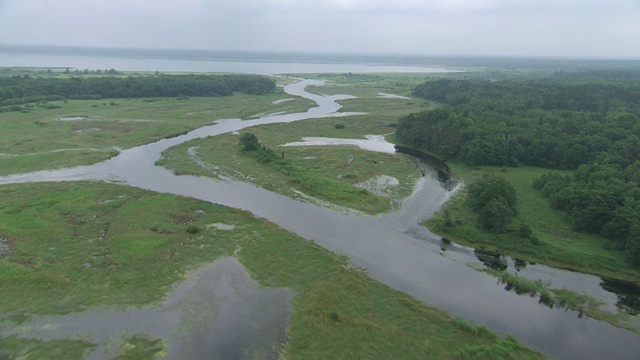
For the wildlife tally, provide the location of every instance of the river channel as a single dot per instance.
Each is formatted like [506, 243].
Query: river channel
[391, 247]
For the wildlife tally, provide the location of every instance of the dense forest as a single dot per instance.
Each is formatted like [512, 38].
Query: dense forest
[17, 90]
[540, 122]
[557, 122]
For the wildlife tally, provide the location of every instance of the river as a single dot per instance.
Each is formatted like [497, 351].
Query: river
[391, 247]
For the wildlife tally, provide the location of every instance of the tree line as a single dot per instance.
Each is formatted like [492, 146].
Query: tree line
[16, 90]
[541, 123]
[603, 198]
[592, 128]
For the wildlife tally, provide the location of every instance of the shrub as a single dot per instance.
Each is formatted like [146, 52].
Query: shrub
[249, 142]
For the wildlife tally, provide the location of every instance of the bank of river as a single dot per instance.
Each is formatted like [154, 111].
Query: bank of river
[392, 247]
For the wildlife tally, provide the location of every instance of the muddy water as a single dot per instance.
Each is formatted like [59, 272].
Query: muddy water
[392, 247]
[218, 312]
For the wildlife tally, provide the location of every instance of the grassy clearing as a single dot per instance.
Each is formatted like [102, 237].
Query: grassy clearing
[74, 245]
[557, 245]
[116, 122]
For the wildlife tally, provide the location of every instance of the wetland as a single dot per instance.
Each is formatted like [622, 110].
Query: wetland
[390, 247]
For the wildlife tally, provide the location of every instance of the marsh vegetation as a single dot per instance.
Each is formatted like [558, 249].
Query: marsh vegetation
[92, 245]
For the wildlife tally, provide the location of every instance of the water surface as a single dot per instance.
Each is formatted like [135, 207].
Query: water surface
[218, 312]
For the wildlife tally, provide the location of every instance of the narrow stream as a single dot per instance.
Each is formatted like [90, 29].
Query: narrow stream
[393, 248]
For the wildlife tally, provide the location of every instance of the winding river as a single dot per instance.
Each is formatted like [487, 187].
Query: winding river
[392, 247]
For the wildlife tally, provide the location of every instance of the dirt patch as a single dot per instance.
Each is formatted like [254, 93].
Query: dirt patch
[76, 219]
[5, 246]
[184, 218]
[220, 226]
[391, 96]
[71, 118]
[89, 129]
[379, 185]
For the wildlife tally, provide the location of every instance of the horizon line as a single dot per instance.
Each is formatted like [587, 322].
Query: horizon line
[23, 46]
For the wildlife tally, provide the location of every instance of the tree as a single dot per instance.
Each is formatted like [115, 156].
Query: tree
[524, 231]
[633, 245]
[495, 216]
[492, 188]
[249, 142]
[494, 199]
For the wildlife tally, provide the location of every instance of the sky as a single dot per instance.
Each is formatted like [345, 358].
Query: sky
[554, 28]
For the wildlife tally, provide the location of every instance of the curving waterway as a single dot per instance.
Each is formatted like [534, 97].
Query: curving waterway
[392, 247]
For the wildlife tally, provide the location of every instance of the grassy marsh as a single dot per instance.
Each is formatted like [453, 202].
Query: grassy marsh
[73, 245]
[344, 164]
[335, 169]
[31, 137]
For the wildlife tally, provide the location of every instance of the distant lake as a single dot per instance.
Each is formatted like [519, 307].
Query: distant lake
[200, 61]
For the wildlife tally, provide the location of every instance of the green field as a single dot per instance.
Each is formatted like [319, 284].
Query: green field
[78, 245]
[31, 138]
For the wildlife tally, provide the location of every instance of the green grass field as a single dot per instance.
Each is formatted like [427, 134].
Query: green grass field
[77, 245]
[29, 138]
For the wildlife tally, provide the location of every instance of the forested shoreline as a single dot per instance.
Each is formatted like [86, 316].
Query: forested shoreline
[558, 122]
[19, 90]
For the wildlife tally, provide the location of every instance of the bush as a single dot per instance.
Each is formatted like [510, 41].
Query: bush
[492, 188]
[524, 231]
[249, 142]
[192, 229]
[494, 199]
[495, 217]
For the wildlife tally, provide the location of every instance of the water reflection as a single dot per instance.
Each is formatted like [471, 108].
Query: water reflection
[519, 264]
[491, 259]
[628, 294]
[218, 312]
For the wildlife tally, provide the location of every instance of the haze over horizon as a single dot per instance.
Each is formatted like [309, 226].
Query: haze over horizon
[525, 28]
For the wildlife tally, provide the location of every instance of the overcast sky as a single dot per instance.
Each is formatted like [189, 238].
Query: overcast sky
[573, 28]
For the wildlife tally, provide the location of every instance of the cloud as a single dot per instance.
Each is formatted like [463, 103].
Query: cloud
[498, 27]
